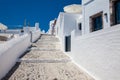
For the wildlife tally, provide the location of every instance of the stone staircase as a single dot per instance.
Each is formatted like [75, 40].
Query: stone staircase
[44, 60]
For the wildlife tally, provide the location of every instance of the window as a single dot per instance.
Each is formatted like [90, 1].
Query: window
[115, 12]
[80, 26]
[96, 22]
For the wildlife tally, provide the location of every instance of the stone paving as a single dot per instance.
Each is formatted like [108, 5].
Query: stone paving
[44, 55]
[46, 64]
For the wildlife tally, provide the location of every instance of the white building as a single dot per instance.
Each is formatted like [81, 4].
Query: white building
[66, 23]
[96, 46]
[93, 11]
[106, 13]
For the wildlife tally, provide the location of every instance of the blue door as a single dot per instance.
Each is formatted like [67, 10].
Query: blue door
[117, 12]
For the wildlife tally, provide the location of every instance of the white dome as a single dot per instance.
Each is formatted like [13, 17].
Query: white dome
[74, 8]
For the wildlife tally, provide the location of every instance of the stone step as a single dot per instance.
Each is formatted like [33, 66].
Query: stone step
[45, 43]
[47, 71]
[52, 40]
[42, 49]
[44, 60]
[44, 52]
[46, 47]
[48, 37]
[48, 43]
[36, 55]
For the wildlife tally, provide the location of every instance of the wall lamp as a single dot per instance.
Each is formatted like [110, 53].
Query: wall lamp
[106, 17]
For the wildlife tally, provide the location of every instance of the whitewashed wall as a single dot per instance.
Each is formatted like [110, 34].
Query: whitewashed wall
[98, 53]
[10, 51]
[91, 7]
[35, 35]
[66, 22]
[70, 22]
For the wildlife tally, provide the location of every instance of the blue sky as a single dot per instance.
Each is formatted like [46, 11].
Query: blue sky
[14, 12]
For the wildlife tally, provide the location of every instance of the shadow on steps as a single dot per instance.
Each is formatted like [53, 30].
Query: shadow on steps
[10, 73]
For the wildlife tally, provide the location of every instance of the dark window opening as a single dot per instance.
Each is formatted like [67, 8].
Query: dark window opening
[117, 12]
[114, 12]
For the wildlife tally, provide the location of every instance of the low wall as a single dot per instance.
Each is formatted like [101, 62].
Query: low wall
[35, 35]
[10, 51]
[98, 53]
